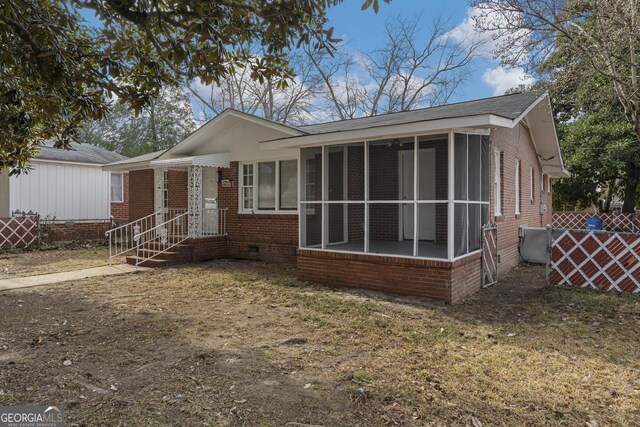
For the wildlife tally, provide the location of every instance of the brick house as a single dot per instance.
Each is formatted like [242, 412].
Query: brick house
[394, 203]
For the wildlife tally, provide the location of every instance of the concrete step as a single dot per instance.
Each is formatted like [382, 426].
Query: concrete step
[153, 263]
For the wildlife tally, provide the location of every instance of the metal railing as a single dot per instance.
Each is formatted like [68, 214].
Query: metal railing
[132, 236]
[162, 237]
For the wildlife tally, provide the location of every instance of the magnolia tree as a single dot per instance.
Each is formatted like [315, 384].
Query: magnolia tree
[61, 61]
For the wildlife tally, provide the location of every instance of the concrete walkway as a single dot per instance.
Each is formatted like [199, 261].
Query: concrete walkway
[48, 279]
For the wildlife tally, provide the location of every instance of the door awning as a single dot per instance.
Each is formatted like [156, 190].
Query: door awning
[220, 160]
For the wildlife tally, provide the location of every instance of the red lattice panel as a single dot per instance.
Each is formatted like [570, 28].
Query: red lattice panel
[596, 259]
[18, 232]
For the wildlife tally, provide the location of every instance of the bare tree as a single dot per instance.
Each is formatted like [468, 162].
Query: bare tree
[239, 90]
[415, 67]
[599, 38]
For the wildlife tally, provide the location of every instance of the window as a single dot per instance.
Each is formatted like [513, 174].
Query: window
[516, 180]
[269, 186]
[548, 184]
[246, 191]
[497, 182]
[531, 185]
[117, 193]
[288, 185]
[543, 180]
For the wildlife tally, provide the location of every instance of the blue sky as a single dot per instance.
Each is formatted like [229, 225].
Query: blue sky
[362, 30]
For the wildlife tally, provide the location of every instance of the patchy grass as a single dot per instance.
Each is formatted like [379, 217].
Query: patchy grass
[205, 345]
[20, 264]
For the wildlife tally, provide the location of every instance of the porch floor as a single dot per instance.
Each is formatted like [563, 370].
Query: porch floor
[403, 247]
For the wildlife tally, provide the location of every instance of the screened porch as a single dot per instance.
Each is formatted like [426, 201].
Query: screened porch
[419, 196]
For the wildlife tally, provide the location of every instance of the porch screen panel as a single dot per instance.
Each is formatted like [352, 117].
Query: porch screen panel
[345, 170]
[461, 235]
[345, 227]
[460, 183]
[473, 166]
[389, 233]
[484, 172]
[391, 169]
[311, 224]
[433, 195]
[311, 174]
[267, 185]
[471, 191]
[475, 226]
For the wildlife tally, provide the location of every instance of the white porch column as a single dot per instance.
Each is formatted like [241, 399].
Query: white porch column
[195, 201]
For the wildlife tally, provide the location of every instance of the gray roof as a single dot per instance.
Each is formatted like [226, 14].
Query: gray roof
[79, 153]
[140, 158]
[507, 106]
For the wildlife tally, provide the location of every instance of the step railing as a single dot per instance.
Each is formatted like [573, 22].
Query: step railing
[122, 238]
[162, 238]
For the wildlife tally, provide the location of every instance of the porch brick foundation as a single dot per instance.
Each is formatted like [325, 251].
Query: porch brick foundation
[450, 282]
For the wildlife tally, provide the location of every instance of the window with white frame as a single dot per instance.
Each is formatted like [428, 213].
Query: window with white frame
[543, 179]
[548, 184]
[117, 187]
[516, 180]
[497, 182]
[246, 189]
[270, 186]
[531, 185]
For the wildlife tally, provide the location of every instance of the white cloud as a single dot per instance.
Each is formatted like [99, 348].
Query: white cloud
[502, 79]
[488, 42]
[467, 34]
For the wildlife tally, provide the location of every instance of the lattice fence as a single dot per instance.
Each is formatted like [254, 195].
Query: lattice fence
[620, 222]
[595, 259]
[19, 231]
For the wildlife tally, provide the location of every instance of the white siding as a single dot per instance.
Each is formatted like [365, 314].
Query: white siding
[63, 191]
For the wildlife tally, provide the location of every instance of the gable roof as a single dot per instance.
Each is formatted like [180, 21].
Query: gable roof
[79, 153]
[507, 106]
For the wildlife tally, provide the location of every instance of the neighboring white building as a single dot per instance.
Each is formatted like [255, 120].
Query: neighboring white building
[64, 184]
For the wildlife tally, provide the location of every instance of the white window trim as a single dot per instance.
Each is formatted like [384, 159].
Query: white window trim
[121, 188]
[243, 186]
[256, 179]
[517, 186]
[497, 183]
[165, 189]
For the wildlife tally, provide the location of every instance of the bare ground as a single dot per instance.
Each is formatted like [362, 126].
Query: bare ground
[55, 260]
[205, 345]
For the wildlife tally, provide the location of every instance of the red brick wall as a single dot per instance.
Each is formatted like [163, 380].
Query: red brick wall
[141, 202]
[275, 235]
[120, 210]
[73, 231]
[178, 189]
[515, 144]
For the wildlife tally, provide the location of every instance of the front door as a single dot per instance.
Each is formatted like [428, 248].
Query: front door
[209, 201]
[426, 191]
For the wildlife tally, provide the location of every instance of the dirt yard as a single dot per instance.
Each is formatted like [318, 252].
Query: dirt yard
[20, 264]
[244, 344]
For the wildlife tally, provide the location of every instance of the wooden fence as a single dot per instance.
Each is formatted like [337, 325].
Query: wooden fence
[612, 221]
[602, 260]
